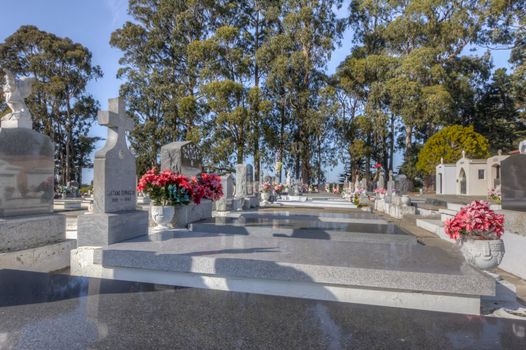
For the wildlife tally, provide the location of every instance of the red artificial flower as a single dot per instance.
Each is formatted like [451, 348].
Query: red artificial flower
[476, 221]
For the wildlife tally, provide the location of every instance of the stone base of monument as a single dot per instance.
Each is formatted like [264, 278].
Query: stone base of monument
[293, 267]
[101, 229]
[36, 243]
[67, 204]
[253, 201]
[188, 214]
[223, 205]
[46, 258]
[239, 204]
[31, 231]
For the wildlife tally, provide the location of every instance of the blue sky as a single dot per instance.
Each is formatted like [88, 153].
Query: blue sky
[91, 24]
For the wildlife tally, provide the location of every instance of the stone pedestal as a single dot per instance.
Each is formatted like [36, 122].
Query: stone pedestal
[31, 231]
[100, 229]
[187, 214]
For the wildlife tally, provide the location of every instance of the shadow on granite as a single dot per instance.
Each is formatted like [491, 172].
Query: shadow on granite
[86, 313]
[20, 287]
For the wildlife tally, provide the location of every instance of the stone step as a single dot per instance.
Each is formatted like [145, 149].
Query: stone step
[434, 226]
[446, 214]
[408, 276]
[455, 206]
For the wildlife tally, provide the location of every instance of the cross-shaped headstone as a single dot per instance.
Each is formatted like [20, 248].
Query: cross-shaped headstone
[115, 119]
[114, 174]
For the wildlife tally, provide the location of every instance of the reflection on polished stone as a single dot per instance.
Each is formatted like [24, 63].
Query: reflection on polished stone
[26, 173]
[63, 312]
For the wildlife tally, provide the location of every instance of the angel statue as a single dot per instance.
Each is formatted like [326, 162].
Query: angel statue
[15, 91]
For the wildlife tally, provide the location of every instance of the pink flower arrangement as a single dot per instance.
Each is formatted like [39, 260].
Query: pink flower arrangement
[380, 190]
[377, 166]
[266, 187]
[475, 221]
[279, 188]
[336, 189]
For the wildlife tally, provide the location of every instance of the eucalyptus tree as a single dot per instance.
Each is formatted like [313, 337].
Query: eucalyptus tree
[161, 84]
[295, 57]
[60, 106]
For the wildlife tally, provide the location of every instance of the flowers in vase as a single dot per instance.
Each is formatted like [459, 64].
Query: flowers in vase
[266, 187]
[475, 221]
[211, 186]
[278, 188]
[166, 187]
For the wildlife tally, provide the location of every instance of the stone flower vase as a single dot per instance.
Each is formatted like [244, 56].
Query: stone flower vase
[265, 196]
[484, 254]
[163, 215]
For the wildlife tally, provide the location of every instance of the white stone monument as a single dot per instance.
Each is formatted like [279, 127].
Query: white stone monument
[31, 236]
[115, 217]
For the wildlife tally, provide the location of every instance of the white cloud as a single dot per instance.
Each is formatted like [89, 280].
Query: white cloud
[118, 10]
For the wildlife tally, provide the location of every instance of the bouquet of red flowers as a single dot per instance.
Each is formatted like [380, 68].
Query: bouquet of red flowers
[166, 187]
[209, 187]
[475, 221]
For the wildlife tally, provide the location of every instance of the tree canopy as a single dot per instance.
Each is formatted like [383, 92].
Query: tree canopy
[247, 80]
[448, 144]
[60, 105]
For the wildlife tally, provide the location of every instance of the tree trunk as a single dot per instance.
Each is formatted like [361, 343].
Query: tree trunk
[392, 145]
[256, 106]
[408, 138]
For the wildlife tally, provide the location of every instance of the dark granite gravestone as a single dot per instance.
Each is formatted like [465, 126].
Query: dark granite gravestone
[181, 157]
[114, 216]
[513, 185]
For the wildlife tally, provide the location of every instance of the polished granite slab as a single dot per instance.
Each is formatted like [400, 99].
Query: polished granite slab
[238, 225]
[379, 265]
[308, 214]
[209, 230]
[42, 311]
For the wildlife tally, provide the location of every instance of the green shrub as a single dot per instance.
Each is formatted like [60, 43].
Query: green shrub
[449, 143]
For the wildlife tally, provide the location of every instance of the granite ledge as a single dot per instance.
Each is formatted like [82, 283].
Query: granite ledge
[468, 282]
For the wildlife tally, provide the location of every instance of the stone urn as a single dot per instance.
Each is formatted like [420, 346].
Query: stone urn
[265, 196]
[163, 215]
[405, 200]
[484, 254]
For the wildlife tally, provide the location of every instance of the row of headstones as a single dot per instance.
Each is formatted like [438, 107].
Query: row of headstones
[399, 184]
